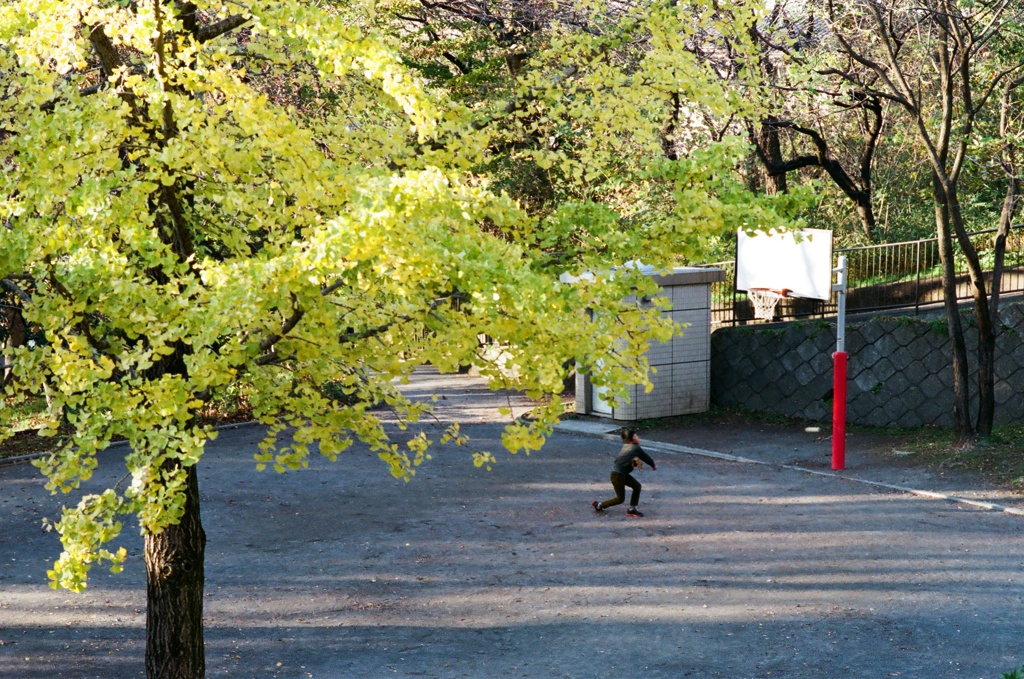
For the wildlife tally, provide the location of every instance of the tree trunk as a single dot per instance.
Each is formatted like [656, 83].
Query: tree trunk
[1002, 233]
[958, 347]
[174, 593]
[866, 215]
[1009, 165]
[986, 325]
[986, 377]
[17, 335]
[1013, 187]
[669, 143]
[770, 145]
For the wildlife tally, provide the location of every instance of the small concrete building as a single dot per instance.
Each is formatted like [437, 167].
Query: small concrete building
[682, 383]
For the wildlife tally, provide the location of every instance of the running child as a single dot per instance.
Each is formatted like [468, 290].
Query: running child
[632, 456]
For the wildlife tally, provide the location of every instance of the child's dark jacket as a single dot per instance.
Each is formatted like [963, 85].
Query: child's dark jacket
[623, 463]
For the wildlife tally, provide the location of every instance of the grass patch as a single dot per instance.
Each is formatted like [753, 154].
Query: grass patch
[28, 414]
[26, 417]
[1000, 456]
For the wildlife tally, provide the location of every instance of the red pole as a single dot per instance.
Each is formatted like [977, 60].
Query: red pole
[839, 411]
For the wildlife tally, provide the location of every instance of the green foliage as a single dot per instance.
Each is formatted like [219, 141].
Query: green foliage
[292, 218]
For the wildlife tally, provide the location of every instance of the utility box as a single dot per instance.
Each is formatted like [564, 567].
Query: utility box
[682, 381]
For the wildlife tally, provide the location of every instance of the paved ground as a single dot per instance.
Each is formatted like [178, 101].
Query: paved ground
[740, 569]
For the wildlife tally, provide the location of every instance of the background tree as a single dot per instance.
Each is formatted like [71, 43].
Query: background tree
[945, 64]
[813, 123]
[807, 82]
[930, 80]
[195, 201]
[802, 120]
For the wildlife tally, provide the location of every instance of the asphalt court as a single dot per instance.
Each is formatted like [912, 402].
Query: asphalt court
[741, 568]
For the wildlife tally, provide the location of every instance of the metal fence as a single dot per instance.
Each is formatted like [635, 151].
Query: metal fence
[906, 276]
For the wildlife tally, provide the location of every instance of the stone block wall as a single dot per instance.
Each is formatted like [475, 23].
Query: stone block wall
[898, 369]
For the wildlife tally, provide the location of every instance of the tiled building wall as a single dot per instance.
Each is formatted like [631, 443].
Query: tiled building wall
[899, 371]
[680, 367]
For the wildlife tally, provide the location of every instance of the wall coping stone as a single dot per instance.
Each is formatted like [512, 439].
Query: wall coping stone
[690, 275]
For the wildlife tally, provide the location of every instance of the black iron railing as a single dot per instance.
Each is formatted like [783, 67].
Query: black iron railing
[903, 275]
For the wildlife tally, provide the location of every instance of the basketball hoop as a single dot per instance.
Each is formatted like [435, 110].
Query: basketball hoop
[765, 301]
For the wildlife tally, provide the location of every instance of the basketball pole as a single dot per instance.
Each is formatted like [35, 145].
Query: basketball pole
[839, 371]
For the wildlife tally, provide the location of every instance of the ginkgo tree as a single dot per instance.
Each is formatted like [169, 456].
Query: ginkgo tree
[176, 226]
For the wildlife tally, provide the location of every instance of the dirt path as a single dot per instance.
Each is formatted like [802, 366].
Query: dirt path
[738, 570]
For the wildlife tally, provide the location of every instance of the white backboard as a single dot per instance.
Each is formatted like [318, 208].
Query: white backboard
[800, 261]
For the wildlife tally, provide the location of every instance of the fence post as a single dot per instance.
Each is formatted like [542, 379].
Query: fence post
[917, 283]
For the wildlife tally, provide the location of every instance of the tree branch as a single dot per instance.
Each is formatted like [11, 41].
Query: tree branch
[82, 326]
[110, 63]
[873, 114]
[458, 63]
[893, 96]
[272, 358]
[996, 80]
[110, 60]
[286, 327]
[84, 92]
[10, 286]
[213, 31]
[404, 318]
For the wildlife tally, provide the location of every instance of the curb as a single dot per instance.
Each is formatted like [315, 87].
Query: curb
[674, 449]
